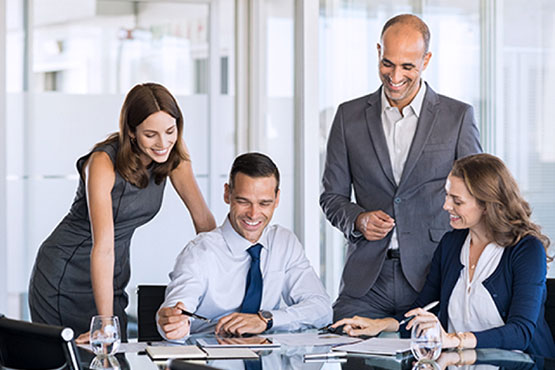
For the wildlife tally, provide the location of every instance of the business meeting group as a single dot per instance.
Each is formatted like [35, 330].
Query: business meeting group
[426, 216]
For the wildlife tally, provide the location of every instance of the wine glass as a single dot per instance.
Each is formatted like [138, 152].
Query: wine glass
[425, 342]
[426, 365]
[105, 335]
[104, 363]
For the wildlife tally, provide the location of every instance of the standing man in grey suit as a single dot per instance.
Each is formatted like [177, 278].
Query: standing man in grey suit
[394, 148]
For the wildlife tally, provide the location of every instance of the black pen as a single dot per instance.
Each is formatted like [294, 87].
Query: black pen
[195, 315]
[329, 329]
[427, 307]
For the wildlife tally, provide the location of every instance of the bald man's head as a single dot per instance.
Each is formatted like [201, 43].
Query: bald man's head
[412, 21]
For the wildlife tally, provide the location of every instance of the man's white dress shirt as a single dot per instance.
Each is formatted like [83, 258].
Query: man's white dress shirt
[399, 130]
[210, 277]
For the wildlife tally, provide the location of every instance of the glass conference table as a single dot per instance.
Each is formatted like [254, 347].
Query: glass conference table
[292, 357]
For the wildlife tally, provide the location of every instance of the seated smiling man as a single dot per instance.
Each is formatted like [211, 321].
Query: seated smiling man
[245, 274]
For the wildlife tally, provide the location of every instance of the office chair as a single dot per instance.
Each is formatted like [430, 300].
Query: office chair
[550, 305]
[184, 365]
[31, 346]
[149, 299]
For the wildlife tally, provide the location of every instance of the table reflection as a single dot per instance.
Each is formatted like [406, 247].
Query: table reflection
[92, 362]
[292, 358]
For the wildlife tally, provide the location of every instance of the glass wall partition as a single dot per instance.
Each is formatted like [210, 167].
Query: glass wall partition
[274, 132]
[65, 92]
[524, 130]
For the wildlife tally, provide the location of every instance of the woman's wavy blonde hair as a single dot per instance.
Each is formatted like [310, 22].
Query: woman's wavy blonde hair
[507, 214]
[142, 101]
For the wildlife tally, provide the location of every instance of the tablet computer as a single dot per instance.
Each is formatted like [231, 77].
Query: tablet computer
[238, 342]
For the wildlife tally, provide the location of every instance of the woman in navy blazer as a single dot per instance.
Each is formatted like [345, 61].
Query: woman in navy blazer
[492, 223]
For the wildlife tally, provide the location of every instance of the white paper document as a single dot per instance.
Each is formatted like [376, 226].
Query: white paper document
[195, 352]
[378, 346]
[311, 339]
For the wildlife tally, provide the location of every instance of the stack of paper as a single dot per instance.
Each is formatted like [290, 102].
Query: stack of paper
[194, 352]
[378, 346]
[310, 339]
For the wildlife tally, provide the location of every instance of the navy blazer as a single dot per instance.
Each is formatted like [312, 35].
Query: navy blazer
[517, 287]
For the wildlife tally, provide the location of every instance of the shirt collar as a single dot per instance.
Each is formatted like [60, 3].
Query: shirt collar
[415, 104]
[236, 242]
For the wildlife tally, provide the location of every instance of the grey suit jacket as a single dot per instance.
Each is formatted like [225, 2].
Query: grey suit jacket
[357, 158]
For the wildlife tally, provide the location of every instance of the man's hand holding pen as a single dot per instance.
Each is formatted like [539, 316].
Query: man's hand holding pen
[176, 324]
[173, 322]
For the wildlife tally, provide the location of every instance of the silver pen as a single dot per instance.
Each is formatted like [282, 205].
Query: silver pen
[325, 355]
[427, 307]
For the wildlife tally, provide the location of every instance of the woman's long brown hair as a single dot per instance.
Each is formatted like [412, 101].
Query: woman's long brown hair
[142, 101]
[507, 214]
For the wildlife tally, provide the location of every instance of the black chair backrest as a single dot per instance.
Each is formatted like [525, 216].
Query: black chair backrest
[149, 299]
[550, 306]
[25, 345]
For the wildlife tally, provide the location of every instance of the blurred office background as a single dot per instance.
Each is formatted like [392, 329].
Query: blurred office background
[263, 75]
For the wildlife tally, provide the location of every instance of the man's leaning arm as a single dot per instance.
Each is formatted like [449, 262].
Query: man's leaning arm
[308, 304]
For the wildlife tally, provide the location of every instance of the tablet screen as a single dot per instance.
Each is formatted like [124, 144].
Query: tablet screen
[254, 341]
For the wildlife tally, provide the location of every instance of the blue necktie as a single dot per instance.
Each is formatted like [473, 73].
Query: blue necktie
[253, 291]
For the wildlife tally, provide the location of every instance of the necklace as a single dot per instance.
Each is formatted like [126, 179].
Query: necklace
[472, 266]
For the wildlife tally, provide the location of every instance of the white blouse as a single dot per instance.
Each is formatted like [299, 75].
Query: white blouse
[471, 307]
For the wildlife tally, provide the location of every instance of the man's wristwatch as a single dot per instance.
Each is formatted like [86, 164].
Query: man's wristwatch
[267, 317]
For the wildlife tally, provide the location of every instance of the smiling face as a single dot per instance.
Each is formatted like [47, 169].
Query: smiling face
[252, 202]
[156, 136]
[464, 210]
[402, 58]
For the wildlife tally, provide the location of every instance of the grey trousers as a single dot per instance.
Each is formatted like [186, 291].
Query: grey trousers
[391, 295]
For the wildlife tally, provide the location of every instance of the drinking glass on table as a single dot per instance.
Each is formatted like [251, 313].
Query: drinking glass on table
[105, 335]
[425, 342]
[104, 363]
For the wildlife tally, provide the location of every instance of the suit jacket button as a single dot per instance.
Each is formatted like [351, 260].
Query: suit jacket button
[397, 200]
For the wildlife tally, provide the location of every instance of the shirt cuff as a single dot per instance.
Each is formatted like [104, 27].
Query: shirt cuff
[280, 318]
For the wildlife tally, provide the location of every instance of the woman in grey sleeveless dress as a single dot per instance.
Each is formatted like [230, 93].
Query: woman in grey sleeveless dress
[82, 268]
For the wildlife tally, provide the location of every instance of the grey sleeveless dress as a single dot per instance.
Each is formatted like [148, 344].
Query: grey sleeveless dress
[60, 289]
